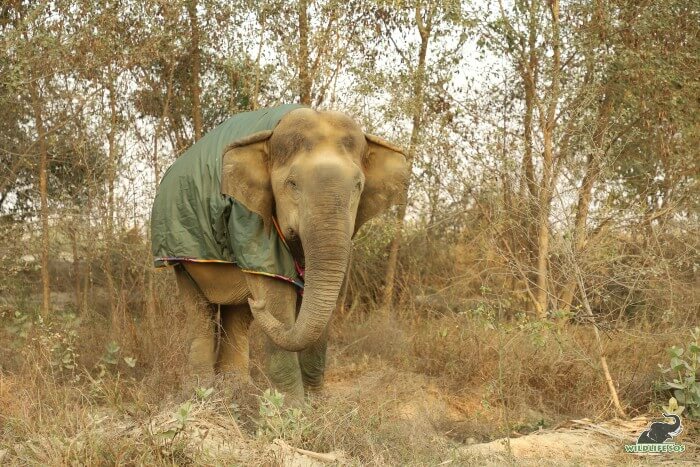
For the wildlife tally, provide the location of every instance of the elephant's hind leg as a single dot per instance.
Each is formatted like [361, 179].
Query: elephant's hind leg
[234, 350]
[200, 334]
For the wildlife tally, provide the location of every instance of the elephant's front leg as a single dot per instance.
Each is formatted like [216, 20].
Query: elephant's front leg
[313, 364]
[313, 359]
[282, 366]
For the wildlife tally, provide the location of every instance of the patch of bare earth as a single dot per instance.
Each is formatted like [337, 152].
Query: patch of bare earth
[579, 442]
[416, 401]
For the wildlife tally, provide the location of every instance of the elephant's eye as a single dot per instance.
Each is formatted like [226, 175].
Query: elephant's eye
[358, 185]
[292, 184]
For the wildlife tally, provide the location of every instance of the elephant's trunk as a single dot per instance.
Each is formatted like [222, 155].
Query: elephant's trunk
[326, 241]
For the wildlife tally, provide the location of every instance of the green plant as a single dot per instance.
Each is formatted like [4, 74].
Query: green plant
[683, 368]
[182, 416]
[111, 353]
[111, 356]
[57, 337]
[277, 421]
[20, 324]
[203, 393]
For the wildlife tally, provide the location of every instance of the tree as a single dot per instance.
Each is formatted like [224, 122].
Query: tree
[429, 20]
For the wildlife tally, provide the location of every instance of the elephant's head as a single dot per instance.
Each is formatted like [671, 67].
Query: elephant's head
[322, 178]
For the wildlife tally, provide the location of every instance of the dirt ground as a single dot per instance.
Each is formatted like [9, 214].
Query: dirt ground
[372, 411]
[414, 409]
[431, 412]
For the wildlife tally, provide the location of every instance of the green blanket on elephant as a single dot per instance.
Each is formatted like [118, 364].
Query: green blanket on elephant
[192, 220]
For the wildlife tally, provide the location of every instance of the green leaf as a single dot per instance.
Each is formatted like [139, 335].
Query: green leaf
[183, 412]
[677, 364]
[112, 347]
[130, 361]
[679, 395]
[675, 386]
[110, 359]
[203, 393]
[695, 390]
[169, 434]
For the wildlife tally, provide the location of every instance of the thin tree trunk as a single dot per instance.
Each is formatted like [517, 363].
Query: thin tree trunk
[196, 65]
[304, 76]
[530, 83]
[418, 89]
[548, 124]
[44, 200]
[525, 217]
[111, 181]
[161, 123]
[89, 248]
[543, 228]
[256, 86]
[77, 295]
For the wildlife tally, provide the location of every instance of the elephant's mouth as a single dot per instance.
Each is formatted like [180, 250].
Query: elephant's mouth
[294, 243]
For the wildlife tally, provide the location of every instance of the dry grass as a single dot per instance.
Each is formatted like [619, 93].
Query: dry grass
[413, 386]
[399, 391]
[518, 375]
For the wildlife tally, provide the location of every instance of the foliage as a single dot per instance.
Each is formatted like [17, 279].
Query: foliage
[278, 421]
[182, 417]
[683, 369]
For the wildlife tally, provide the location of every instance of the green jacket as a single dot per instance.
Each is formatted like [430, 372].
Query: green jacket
[192, 220]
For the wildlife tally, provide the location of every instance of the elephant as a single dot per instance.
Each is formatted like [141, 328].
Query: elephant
[312, 179]
[659, 432]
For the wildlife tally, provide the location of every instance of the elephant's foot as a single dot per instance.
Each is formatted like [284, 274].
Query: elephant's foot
[230, 385]
[313, 389]
[293, 391]
[313, 368]
[283, 372]
[312, 377]
[200, 364]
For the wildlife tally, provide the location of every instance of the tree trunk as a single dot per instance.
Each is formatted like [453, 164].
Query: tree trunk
[548, 125]
[543, 227]
[111, 181]
[89, 248]
[304, 76]
[418, 85]
[195, 55]
[255, 104]
[77, 295]
[44, 200]
[525, 215]
[529, 76]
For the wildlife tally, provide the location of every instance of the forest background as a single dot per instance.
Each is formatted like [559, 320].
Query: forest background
[545, 263]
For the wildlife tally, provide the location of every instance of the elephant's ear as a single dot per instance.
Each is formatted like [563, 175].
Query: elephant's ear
[245, 174]
[386, 176]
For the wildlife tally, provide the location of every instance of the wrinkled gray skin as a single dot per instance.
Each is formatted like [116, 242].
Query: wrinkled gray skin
[322, 177]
